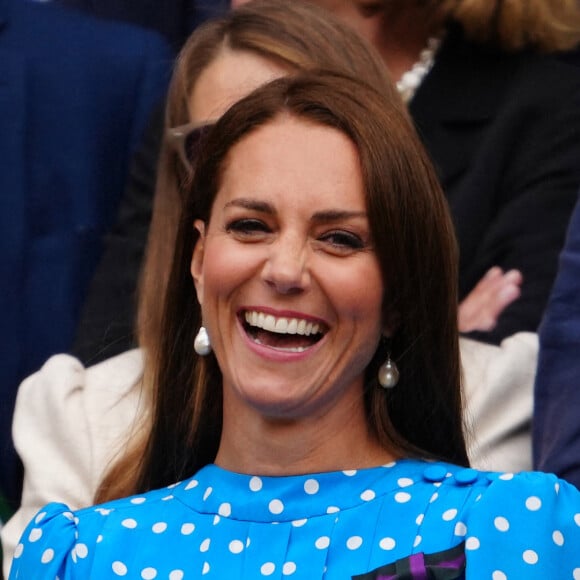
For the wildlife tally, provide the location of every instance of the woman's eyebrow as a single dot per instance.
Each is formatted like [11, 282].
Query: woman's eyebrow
[253, 204]
[324, 216]
[334, 215]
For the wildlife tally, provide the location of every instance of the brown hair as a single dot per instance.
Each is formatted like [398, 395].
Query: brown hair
[415, 245]
[298, 35]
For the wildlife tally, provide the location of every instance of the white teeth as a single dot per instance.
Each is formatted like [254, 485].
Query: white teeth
[281, 325]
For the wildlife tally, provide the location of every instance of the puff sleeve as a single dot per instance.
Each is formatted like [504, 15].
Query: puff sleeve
[48, 548]
[524, 526]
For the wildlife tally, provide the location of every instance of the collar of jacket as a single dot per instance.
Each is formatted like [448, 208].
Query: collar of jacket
[459, 97]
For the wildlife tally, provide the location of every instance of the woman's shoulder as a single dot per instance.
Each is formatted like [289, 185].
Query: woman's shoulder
[62, 375]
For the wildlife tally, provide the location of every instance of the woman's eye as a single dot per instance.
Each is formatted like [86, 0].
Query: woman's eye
[343, 240]
[247, 227]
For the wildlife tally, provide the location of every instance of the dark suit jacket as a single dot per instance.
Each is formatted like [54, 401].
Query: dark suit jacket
[175, 19]
[75, 95]
[556, 425]
[504, 134]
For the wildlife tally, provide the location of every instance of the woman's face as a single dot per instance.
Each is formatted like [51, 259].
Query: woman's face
[228, 78]
[285, 271]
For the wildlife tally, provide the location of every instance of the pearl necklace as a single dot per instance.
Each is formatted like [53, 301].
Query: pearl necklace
[412, 79]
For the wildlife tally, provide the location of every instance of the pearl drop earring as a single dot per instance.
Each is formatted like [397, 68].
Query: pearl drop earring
[202, 344]
[388, 374]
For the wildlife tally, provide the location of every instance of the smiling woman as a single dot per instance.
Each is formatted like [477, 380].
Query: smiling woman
[312, 206]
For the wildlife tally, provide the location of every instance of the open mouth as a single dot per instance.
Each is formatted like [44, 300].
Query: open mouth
[280, 333]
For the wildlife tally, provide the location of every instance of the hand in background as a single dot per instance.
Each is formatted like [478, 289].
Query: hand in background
[481, 308]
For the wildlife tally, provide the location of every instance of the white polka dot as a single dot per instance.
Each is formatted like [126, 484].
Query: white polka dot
[501, 524]
[74, 555]
[35, 535]
[129, 523]
[322, 543]
[276, 506]
[434, 497]
[418, 540]
[299, 523]
[530, 557]
[192, 484]
[558, 538]
[187, 529]
[420, 519]
[402, 497]
[311, 486]
[247, 542]
[99, 538]
[148, 573]
[368, 495]
[450, 515]
[577, 519]
[225, 510]
[70, 516]
[506, 476]
[18, 550]
[176, 575]
[167, 498]
[498, 575]
[255, 484]
[205, 569]
[102, 511]
[405, 482]
[159, 527]
[173, 485]
[47, 556]
[267, 569]
[82, 551]
[207, 493]
[236, 546]
[204, 546]
[216, 520]
[138, 500]
[387, 544]
[557, 488]
[349, 472]
[289, 568]
[533, 503]
[472, 543]
[119, 568]
[39, 517]
[354, 542]
[332, 509]
[576, 573]
[460, 529]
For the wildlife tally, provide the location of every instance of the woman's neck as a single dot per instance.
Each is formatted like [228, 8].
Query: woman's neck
[258, 445]
[400, 36]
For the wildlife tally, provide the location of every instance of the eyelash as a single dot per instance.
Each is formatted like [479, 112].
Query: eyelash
[338, 239]
[247, 226]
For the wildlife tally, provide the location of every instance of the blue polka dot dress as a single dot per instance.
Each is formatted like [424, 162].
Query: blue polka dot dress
[409, 519]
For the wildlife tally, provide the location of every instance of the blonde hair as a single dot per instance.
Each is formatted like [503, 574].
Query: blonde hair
[512, 25]
[300, 37]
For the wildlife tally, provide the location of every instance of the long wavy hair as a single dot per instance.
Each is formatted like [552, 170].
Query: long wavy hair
[297, 35]
[510, 25]
[415, 245]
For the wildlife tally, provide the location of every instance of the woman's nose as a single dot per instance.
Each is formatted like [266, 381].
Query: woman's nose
[286, 269]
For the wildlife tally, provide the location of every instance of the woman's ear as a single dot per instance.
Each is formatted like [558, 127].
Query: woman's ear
[197, 260]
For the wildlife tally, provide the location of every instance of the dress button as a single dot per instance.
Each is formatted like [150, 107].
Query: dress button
[435, 473]
[466, 476]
